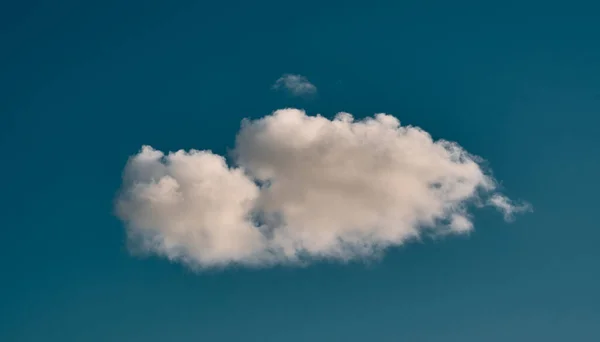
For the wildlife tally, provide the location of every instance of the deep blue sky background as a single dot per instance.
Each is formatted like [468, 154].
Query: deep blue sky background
[84, 84]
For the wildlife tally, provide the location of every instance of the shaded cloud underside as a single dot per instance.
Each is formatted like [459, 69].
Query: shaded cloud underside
[303, 188]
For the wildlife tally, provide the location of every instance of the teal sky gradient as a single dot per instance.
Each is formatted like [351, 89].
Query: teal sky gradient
[85, 84]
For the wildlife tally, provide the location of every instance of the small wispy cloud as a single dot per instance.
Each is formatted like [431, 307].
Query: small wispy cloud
[296, 85]
[508, 207]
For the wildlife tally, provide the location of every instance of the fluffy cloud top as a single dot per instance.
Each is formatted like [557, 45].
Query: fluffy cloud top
[303, 188]
[296, 85]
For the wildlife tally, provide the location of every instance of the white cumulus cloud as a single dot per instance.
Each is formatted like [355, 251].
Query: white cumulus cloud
[303, 188]
[296, 85]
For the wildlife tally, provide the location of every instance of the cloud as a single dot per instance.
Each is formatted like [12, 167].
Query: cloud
[296, 85]
[507, 207]
[303, 188]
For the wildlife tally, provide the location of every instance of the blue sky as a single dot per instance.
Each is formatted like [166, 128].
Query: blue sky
[85, 85]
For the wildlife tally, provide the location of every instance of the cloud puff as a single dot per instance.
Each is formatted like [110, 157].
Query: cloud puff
[296, 85]
[303, 188]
